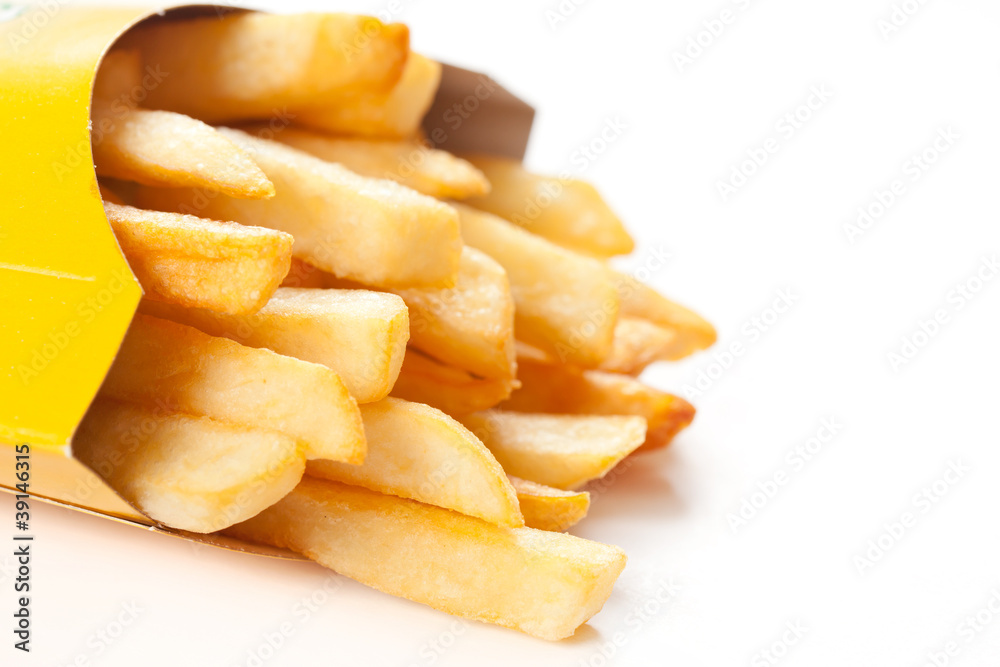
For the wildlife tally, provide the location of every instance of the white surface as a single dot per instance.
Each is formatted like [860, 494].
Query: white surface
[825, 357]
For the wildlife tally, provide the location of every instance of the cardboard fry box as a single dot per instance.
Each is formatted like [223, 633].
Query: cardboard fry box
[67, 294]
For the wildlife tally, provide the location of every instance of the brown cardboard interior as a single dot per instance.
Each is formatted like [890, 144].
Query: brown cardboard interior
[472, 113]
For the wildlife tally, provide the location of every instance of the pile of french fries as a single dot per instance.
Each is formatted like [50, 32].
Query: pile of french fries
[335, 356]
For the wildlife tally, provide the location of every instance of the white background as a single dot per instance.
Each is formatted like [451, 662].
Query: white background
[730, 592]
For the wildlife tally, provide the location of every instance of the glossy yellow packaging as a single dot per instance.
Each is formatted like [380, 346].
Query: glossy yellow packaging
[66, 293]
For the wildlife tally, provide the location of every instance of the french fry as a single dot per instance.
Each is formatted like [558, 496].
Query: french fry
[564, 302]
[451, 390]
[561, 451]
[163, 362]
[427, 170]
[468, 326]
[359, 334]
[542, 583]
[172, 150]
[357, 228]
[638, 343]
[191, 473]
[638, 300]
[568, 212]
[254, 65]
[158, 147]
[557, 389]
[418, 452]
[395, 114]
[201, 263]
[546, 508]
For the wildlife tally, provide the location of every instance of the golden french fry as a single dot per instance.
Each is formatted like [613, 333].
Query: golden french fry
[163, 362]
[565, 303]
[468, 326]
[637, 344]
[191, 473]
[558, 389]
[359, 334]
[542, 583]
[374, 232]
[201, 263]
[418, 452]
[561, 451]
[395, 114]
[451, 390]
[254, 65]
[172, 150]
[427, 170]
[638, 300]
[546, 508]
[568, 212]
